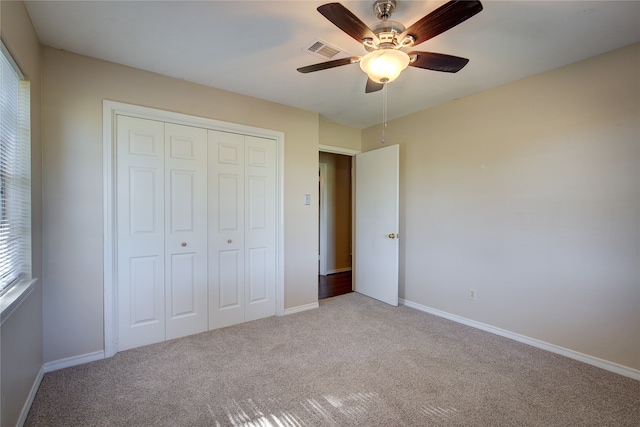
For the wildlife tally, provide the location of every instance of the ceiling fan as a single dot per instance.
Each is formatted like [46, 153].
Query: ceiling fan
[387, 40]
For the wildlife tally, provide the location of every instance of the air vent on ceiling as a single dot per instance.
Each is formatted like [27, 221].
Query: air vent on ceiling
[323, 49]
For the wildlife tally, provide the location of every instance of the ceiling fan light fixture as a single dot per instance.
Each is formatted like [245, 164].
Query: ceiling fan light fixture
[384, 65]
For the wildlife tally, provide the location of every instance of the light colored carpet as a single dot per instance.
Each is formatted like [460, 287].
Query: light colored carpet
[352, 362]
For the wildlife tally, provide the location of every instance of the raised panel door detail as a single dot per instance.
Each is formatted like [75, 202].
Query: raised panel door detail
[183, 284]
[143, 144]
[229, 153]
[142, 200]
[257, 202]
[183, 200]
[145, 290]
[228, 202]
[257, 157]
[257, 277]
[182, 148]
[229, 279]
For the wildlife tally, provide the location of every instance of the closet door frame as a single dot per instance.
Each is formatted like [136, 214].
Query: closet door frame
[111, 109]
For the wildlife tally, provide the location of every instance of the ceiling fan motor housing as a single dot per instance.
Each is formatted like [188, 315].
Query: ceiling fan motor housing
[387, 33]
[384, 9]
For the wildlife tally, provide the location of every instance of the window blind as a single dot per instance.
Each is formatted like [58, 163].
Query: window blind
[15, 174]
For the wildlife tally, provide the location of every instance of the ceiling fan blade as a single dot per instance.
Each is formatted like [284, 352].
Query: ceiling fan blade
[342, 18]
[373, 86]
[442, 19]
[329, 64]
[438, 61]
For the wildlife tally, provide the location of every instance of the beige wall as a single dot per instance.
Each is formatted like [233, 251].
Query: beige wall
[338, 195]
[530, 193]
[21, 335]
[74, 87]
[336, 135]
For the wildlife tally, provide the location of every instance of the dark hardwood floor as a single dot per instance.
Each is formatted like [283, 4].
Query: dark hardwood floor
[334, 285]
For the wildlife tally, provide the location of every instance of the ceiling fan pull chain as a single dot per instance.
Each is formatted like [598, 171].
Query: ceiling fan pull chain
[384, 113]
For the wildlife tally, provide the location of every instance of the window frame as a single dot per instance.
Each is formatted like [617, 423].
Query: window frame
[22, 283]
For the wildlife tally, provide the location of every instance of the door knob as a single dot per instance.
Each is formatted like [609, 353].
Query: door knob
[392, 236]
[183, 244]
[229, 241]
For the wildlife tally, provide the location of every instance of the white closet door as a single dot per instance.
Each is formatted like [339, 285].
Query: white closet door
[140, 232]
[242, 230]
[260, 230]
[226, 229]
[185, 230]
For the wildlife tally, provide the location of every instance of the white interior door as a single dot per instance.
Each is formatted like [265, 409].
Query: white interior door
[186, 283]
[226, 230]
[260, 228]
[140, 232]
[377, 224]
[242, 233]
[162, 231]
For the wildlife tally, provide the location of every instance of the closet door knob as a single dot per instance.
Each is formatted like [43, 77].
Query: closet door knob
[183, 244]
[229, 241]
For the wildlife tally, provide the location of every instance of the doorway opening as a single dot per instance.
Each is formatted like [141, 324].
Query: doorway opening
[335, 284]
[335, 224]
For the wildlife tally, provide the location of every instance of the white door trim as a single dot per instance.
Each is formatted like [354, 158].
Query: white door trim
[109, 111]
[352, 153]
[323, 219]
[338, 150]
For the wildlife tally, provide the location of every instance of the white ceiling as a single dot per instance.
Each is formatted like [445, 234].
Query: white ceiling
[254, 47]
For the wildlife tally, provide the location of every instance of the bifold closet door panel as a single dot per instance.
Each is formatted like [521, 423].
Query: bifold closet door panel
[140, 231]
[186, 283]
[226, 229]
[196, 229]
[260, 227]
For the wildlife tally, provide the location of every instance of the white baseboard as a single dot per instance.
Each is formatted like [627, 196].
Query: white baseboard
[338, 270]
[54, 366]
[73, 361]
[32, 395]
[301, 308]
[585, 358]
